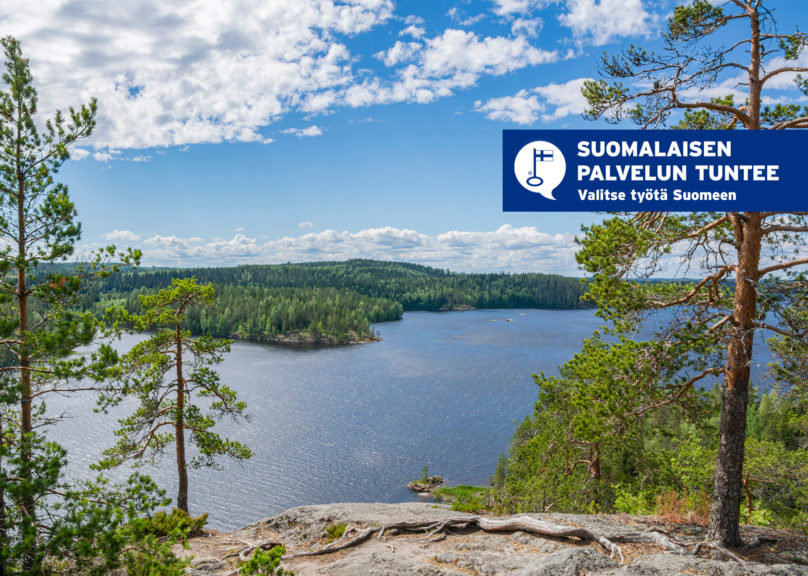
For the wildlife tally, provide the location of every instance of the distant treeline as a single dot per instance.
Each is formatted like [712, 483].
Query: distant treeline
[315, 315]
[416, 287]
[335, 301]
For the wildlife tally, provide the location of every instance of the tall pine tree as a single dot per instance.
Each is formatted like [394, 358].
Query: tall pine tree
[740, 259]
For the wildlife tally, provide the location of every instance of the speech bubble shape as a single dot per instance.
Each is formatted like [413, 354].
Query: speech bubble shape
[540, 167]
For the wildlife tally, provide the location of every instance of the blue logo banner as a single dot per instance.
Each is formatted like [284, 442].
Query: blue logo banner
[661, 170]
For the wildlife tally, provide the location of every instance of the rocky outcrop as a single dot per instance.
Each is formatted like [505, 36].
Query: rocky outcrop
[465, 552]
[426, 485]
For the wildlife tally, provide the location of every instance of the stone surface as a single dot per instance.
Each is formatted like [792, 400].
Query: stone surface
[467, 552]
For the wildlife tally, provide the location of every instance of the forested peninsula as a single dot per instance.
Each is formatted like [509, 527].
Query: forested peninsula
[332, 302]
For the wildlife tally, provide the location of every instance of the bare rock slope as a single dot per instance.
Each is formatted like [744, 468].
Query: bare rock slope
[468, 551]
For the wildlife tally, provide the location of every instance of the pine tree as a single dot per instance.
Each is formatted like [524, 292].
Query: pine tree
[167, 373]
[719, 314]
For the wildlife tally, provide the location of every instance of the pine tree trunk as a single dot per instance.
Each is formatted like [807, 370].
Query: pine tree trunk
[3, 528]
[26, 424]
[179, 430]
[728, 491]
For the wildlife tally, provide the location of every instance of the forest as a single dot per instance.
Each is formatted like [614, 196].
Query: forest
[332, 302]
[673, 423]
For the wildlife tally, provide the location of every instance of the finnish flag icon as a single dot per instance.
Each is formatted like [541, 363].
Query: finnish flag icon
[540, 167]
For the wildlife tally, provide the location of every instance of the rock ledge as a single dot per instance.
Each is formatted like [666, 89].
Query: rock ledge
[466, 552]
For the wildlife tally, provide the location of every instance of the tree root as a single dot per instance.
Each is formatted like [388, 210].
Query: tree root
[435, 529]
[244, 554]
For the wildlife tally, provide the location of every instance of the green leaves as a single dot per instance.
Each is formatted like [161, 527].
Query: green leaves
[693, 21]
[179, 393]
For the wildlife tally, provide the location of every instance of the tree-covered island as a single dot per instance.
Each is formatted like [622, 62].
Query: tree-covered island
[333, 302]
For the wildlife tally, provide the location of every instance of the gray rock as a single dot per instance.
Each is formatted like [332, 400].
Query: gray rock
[568, 562]
[467, 552]
[205, 567]
[378, 564]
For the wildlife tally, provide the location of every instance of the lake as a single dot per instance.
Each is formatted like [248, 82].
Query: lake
[356, 423]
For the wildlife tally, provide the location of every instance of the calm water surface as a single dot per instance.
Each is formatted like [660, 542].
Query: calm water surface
[356, 423]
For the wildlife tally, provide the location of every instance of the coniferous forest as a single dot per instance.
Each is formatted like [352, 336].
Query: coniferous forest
[333, 302]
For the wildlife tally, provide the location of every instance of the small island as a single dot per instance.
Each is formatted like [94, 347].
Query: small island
[426, 484]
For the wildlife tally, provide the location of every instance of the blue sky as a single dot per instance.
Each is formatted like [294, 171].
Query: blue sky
[271, 131]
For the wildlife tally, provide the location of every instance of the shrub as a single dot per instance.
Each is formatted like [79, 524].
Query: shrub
[266, 563]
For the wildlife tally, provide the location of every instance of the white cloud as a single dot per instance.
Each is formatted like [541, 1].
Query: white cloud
[239, 229]
[601, 21]
[526, 27]
[174, 74]
[169, 74]
[415, 27]
[463, 20]
[77, 153]
[524, 107]
[305, 225]
[507, 248]
[566, 98]
[413, 30]
[107, 155]
[122, 235]
[453, 60]
[399, 52]
[304, 132]
[785, 80]
[461, 51]
[519, 109]
[510, 7]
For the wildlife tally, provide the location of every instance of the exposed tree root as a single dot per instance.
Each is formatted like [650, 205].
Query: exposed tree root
[437, 530]
[244, 553]
[434, 529]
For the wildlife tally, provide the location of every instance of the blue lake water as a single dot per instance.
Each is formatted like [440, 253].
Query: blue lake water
[356, 423]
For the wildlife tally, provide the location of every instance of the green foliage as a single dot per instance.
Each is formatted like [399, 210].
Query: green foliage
[424, 474]
[266, 563]
[334, 531]
[175, 523]
[334, 301]
[694, 21]
[666, 468]
[464, 498]
[171, 375]
[46, 523]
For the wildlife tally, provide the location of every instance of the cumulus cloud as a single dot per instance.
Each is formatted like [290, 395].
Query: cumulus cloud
[524, 107]
[520, 108]
[511, 7]
[566, 98]
[507, 248]
[601, 21]
[527, 27]
[462, 19]
[305, 225]
[464, 52]
[172, 74]
[453, 60]
[77, 153]
[415, 27]
[413, 30]
[122, 235]
[304, 132]
[399, 52]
